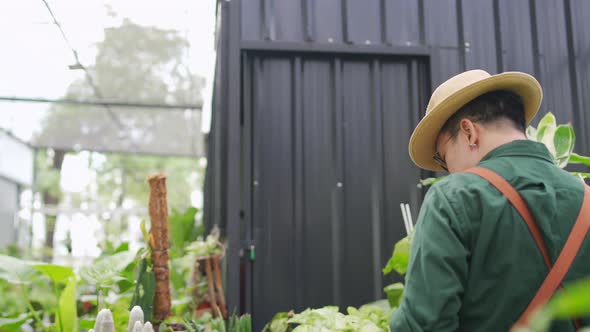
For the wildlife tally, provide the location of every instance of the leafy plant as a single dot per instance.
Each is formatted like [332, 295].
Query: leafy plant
[145, 289]
[183, 230]
[573, 301]
[329, 319]
[106, 272]
[400, 257]
[23, 274]
[559, 139]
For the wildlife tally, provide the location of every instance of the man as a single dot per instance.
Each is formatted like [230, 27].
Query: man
[474, 264]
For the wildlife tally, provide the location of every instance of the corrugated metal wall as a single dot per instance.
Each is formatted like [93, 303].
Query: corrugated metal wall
[547, 38]
[281, 138]
[329, 136]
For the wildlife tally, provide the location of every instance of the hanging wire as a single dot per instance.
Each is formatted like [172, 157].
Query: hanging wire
[98, 94]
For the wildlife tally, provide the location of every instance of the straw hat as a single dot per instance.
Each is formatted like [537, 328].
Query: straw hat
[456, 92]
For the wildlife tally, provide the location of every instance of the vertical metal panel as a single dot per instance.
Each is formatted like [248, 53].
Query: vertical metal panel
[309, 20]
[516, 37]
[231, 165]
[580, 67]
[376, 174]
[554, 57]
[319, 182]
[247, 187]
[274, 200]
[328, 15]
[401, 22]
[397, 126]
[252, 20]
[298, 122]
[364, 22]
[356, 222]
[443, 34]
[287, 17]
[479, 35]
[338, 190]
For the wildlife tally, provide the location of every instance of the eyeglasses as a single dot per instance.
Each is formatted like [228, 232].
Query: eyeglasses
[440, 161]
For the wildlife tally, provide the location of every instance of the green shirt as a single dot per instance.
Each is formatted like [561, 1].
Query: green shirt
[474, 265]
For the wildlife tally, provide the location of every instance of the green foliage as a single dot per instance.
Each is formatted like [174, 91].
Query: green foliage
[206, 322]
[106, 271]
[572, 302]
[329, 319]
[145, 289]
[429, 181]
[559, 139]
[16, 271]
[183, 229]
[400, 258]
[394, 294]
[67, 320]
[14, 324]
[208, 247]
[58, 274]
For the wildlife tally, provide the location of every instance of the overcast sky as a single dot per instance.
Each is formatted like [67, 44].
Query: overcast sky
[35, 58]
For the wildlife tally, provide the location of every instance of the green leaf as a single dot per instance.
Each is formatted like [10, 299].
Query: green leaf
[574, 301]
[278, 323]
[400, 257]
[68, 318]
[545, 135]
[394, 294]
[429, 181]
[582, 175]
[122, 247]
[107, 270]
[87, 324]
[578, 159]
[181, 229]
[56, 273]
[145, 289]
[564, 141]
[547, 120]
[531, 133]
[16, 271]
[14, 324]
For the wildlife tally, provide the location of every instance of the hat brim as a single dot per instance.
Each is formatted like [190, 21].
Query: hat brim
[423, 141]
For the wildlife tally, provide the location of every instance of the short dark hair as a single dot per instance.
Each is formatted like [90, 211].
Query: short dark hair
[489, 108]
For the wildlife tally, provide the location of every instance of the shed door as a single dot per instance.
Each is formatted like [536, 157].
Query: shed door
[326, 156]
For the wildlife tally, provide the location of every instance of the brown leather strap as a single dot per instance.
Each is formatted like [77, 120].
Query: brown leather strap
[514, 197]
[564, 261]
[567, 254]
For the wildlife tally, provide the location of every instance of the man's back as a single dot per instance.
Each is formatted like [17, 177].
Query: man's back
[474, 264]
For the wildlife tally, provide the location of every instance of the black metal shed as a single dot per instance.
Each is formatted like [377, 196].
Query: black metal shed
[313, 105]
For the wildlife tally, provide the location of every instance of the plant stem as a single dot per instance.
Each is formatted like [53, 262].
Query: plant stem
[33, 311]
[58, 311]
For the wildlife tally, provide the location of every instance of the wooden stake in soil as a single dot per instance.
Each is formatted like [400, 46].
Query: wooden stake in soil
[219, 286]
[158, 209]
[211, 285]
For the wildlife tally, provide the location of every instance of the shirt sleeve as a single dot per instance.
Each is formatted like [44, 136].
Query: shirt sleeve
[437, 271]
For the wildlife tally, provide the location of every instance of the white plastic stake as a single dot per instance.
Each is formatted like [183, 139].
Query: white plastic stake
[410, 220]
[405, 218]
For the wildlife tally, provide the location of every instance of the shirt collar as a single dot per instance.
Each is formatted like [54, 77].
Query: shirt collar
[520, 148]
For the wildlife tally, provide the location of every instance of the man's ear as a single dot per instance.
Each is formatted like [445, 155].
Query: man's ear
[470, 130]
